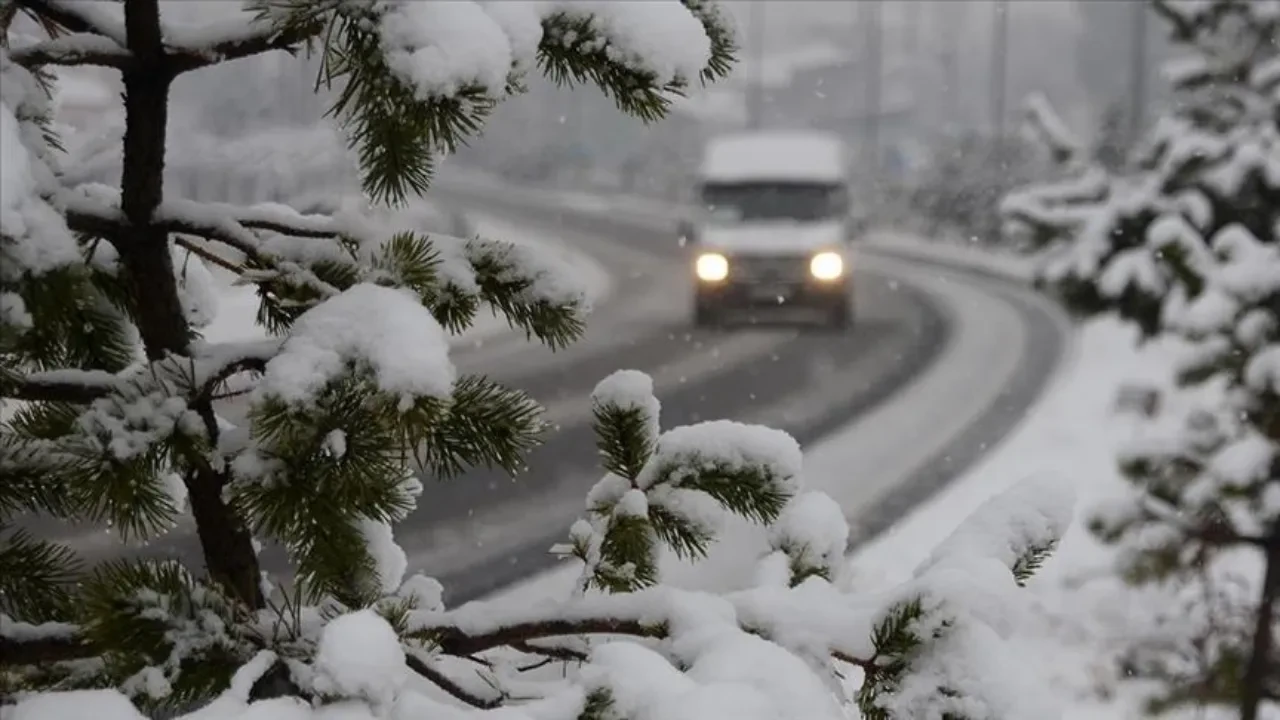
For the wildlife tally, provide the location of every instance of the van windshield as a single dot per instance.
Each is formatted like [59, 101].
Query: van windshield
[729, 203]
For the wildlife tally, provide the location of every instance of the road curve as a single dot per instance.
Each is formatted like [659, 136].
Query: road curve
[484, 531]
[991, 348]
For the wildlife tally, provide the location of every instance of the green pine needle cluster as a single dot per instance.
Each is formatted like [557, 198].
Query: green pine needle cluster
[177, 639]
[78, 320]
[398, 135]
[413, 261]
[621, 548]
[895, 643]
[1031, 560]
[898, 640]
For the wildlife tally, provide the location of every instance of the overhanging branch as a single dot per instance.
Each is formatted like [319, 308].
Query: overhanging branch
[553, 652]
[73, 18]
[226, 224]
[456, 641]
[110, 51]
[449, 639]
[58, 389]
[444, 682]
[42, 651]
[75, 49]
[254, 40]
[81, 387]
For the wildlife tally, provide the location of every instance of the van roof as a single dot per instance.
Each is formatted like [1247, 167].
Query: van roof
[775, 155]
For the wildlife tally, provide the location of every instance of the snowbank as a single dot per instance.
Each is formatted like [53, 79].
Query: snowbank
[1004, 265]
[1072, 438]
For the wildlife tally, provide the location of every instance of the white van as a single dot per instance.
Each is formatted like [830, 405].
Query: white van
[772, 227]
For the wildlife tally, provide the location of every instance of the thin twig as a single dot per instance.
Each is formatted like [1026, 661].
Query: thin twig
[207, 255]
[448, 685]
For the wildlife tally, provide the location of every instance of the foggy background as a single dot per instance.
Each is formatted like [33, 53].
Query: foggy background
[929, 94]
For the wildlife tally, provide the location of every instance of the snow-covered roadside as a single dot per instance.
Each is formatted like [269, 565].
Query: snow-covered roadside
[827, 462]
[1071, 436]
[977, 259]
[238, 305]
[1065, 437]
[1085, 614]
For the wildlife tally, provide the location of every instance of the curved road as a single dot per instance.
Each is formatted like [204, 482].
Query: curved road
[484, 531]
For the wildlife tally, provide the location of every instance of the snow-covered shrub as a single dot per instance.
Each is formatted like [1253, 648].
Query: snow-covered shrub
[1187, 246]
[957, 192]
[318, 437]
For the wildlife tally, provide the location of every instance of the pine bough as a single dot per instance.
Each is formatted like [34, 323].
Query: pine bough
[115, 412]
[1186, 245]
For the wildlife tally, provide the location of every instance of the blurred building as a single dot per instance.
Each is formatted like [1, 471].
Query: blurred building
[1105, 61]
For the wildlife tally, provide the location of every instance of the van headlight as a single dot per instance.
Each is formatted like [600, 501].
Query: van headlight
[826, 266]
[712, 267]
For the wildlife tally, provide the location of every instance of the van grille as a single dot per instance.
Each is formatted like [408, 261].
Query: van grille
[769, 269]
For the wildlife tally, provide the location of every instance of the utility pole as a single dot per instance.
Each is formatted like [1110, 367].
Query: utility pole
[1138, 68]
[874, 68]
[999, 65]
[755, 89]
[910, 51]
[950, 58]
[947, 25]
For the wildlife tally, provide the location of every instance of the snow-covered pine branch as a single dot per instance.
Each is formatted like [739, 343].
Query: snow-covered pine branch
[58, 16]
[657, 651]
[299, 260]
[319, 438]
[1050, 129]
[74, 49]
[1187, 246]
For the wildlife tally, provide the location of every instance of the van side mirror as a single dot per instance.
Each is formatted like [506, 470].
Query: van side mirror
[686, 234]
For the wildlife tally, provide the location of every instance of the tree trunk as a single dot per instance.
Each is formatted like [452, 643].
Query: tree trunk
[227, 546]
[1261, 660]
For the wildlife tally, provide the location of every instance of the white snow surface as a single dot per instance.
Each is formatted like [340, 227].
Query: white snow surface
[1031, 514]
[360, 657]
[37, 237]
[389, 559]
[438, 48]
[441, 48]
[197, 289]
[661, 37]
[1081, 615]
[813, 530]
[74, 705]
[16, 181]
[774, 155]
[388, 329]
[630, 390]
[724, 443]
[13, 312]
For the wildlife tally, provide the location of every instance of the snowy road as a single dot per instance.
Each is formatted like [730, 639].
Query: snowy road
[484, 531]
[943, 364]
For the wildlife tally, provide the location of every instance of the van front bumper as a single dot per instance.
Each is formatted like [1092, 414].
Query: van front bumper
[819, 294]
